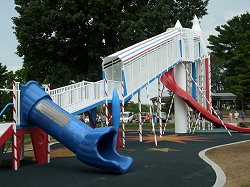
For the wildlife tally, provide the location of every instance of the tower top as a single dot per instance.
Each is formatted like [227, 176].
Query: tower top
[178, 24]
[196, 25]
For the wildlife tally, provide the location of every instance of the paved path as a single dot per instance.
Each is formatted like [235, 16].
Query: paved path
[174, 162]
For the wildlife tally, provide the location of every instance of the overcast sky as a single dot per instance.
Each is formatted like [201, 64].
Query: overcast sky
[219, 11]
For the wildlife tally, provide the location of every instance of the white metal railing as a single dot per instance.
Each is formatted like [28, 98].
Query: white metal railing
[114, 85]
[75, 97]
[150, 64]
[146, 66]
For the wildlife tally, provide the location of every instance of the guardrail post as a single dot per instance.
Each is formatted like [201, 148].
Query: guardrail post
[47, 89]
[122, 107]
[151, 116]
[139, 116]
[106, 101]
[15, 86]
[159, 106]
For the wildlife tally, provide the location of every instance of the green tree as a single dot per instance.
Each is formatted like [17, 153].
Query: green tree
[63, 40]
[133, 107]
[3, 75]
[142, 19]
[218, 71]
[5, 97]
[18, 76]
[232, 47]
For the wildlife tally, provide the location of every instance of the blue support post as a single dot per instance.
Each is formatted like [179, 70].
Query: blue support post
[194, 78]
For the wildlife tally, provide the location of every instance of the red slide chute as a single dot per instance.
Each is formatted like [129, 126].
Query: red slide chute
[168, 81]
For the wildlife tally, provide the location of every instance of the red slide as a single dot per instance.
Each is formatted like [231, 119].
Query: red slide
[168, 81]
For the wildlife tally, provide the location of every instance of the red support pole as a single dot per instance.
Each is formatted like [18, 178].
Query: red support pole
[39, 140]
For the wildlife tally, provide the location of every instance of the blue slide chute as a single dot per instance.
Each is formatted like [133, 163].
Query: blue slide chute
[94, 147]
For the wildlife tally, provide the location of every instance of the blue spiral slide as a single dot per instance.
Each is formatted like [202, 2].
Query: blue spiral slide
[94, 147]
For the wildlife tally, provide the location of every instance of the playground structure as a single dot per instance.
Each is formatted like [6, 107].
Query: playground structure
[125, 74]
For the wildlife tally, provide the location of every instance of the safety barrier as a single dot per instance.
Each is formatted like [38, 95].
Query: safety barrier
[81, 95]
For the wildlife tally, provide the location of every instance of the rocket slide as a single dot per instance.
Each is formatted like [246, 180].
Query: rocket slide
[94, 147]
[168, 81]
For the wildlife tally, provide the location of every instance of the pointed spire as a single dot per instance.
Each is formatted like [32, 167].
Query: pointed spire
[178, 24]
[196, 25]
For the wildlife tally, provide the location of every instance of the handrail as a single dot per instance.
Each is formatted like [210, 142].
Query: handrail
[6, 106]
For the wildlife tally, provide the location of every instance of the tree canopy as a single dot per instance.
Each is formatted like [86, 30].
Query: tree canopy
[3, 75]
[231, 51]
[64, 40]
[5, 97]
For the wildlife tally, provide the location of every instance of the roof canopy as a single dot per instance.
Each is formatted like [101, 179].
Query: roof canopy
[140, 48]
[224, 96]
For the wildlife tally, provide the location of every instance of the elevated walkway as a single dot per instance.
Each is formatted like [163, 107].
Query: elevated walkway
[132, 69]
